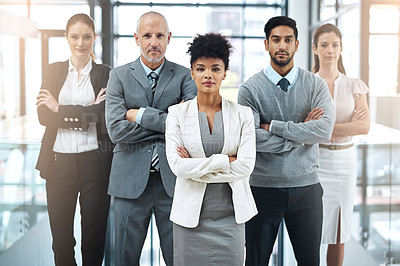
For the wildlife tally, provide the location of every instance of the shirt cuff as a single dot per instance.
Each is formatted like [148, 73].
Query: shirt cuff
[270, 126]
[139, 115]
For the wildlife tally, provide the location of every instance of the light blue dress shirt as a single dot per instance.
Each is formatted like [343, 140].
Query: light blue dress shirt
[148, 71]
[273, 76]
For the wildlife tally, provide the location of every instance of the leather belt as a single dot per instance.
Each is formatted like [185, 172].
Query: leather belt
[336, 147]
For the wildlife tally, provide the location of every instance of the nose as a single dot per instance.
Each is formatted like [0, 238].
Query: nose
[207, 73]
[154, 41]
[282, 45]
[80, 41]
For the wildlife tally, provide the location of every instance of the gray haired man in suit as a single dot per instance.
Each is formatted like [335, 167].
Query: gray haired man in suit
[141, 182]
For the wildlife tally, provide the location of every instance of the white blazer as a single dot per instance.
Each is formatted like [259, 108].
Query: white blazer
[193, 174]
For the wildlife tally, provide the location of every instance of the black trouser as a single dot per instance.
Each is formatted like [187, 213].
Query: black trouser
[301, 209]
[71, 175]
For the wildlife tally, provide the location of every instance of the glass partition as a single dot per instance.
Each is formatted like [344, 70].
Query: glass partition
[22, 191]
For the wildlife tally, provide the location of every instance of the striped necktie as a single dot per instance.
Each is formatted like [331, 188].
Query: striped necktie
[155, 163]
[154, 79]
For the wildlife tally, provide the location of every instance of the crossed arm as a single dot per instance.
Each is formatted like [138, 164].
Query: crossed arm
[218, 167]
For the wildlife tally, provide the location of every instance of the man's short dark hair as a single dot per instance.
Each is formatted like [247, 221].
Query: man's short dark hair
[280, 21]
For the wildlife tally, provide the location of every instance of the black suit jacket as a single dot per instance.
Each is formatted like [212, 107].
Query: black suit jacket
[76, 117]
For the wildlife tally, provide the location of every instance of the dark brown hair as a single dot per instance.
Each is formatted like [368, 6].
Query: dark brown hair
[326, 28]
[84, 19]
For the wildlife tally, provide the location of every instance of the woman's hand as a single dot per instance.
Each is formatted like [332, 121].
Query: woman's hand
[101, 96]
[315, 114]
[182, 152]
[359, 114]
[45, 98]
[232, 158]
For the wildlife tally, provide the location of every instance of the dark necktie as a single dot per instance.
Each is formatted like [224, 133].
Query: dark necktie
[284, 84]
[155, 163]
[154, 79]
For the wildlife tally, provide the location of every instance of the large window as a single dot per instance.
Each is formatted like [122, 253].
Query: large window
[241, 20]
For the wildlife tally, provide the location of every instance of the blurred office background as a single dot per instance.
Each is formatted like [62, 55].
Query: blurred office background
[32, 35]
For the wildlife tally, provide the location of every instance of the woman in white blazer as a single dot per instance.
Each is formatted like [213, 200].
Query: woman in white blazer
[210, 147]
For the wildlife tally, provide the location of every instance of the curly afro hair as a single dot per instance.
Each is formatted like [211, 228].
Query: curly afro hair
[210, 45]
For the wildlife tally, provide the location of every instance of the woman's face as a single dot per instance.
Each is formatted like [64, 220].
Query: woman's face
[329, 48]
[208, 74]
[80, 37]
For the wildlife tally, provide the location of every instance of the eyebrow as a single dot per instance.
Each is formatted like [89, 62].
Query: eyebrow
[278, 36]
[211, 65]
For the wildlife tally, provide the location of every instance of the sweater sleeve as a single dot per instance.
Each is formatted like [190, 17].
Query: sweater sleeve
[313, 131]
[265, 141]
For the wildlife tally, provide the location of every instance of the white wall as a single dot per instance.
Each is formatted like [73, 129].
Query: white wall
[299, 10]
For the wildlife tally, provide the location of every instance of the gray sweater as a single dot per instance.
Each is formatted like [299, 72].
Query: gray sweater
[288, 155]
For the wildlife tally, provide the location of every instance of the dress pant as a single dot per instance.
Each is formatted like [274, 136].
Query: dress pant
[301, 209]
[132, 218]
[72, 175]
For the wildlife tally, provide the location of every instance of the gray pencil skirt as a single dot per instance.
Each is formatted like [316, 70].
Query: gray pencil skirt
[218, 239]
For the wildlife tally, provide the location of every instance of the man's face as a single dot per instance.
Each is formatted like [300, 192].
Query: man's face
[153, 38]
[282, 46]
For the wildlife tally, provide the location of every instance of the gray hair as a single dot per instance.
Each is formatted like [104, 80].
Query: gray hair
[152, 13]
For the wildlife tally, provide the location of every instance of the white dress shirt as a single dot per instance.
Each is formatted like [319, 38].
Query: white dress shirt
[77, 91]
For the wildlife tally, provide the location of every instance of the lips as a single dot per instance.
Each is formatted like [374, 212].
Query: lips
[208, 83]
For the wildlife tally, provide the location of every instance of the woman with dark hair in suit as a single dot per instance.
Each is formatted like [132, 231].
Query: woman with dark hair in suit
[211, 148]
[76, 152]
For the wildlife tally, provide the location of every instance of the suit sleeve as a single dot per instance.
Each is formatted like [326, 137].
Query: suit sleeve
[154, 119]
[313, 131]
[119, 129]
[265, 141]
[69, 116]
[243, 166]
[189, 168]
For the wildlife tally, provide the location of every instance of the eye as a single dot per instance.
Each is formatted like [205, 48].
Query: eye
[324, 45]
[199, 69]
[88, 37]
[74, 37]
[336, 45]
[146, 35]
[275, 40]
[160, 35]
[216, 69]
[288, 40]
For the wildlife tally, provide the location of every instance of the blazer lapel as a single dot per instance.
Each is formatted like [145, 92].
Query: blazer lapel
[225, 119]
[196, 145]
[60, 80]
[165, 77]
[137, 72]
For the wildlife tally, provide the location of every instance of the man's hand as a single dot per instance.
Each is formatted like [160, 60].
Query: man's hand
[265, 126]
[131, 115]
[45, 98]
[315, 114]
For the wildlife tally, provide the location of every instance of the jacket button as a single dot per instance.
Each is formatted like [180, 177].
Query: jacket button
[71, 120]
[66, 119]
[76, 119]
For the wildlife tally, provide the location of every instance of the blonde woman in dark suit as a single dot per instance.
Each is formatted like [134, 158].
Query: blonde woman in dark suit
[76, 152]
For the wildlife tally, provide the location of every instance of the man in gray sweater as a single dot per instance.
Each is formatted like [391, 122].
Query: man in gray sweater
[293, 112]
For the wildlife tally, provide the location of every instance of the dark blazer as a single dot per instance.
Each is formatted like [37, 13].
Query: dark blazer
[129, 88]
[75, 117]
